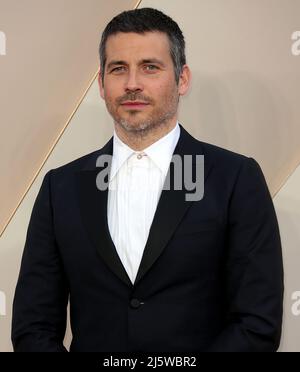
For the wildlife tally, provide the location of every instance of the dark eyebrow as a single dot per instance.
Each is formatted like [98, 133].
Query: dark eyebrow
[114, 63]
[143, 61]
[153, 60]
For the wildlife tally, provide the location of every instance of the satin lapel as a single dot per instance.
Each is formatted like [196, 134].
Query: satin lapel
[93, 206]
[171, 208]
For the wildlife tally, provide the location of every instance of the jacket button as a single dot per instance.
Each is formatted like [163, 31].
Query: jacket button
[135, 303]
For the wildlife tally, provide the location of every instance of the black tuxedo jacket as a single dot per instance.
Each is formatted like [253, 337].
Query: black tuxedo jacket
[210, 279]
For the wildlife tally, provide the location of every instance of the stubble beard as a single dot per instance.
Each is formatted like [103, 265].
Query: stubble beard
[153, 122]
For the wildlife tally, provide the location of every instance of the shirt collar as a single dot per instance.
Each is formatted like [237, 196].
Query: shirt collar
[160, 152]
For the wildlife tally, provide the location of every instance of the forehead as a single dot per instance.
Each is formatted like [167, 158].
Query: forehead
[128, 45]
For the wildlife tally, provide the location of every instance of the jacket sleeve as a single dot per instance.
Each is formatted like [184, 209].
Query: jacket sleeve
[41, 296]
[253, 269]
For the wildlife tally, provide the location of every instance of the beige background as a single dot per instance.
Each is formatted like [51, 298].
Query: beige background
[244, 97]
[51, 58]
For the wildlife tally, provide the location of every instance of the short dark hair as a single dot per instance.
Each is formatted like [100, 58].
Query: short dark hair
[146, 20]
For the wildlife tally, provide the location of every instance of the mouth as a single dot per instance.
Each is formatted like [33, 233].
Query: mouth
[135, 105]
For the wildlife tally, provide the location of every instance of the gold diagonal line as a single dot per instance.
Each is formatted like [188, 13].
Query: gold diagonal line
[53, 146]
[284, 182]
[49, 153]
[137, 4]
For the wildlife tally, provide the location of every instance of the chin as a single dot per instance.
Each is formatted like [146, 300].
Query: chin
[132, 126]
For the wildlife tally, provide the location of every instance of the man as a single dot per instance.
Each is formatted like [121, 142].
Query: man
[144, 268]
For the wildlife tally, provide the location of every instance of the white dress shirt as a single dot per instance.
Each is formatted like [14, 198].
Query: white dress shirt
[135, 184]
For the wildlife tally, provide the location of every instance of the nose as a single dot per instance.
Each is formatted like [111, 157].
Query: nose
[133, 82]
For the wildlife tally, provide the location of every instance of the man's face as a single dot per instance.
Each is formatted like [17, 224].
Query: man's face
[139, 89]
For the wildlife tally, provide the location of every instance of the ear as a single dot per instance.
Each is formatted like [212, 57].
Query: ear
[184, 80]
[101, 87]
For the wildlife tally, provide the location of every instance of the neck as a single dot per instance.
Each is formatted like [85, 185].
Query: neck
[140, 140]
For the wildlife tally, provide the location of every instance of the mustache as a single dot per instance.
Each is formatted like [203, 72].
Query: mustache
[133, 97]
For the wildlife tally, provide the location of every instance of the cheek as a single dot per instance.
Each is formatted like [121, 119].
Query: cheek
[165, 92]
[110, 97]
[111, 91]
[168, 84]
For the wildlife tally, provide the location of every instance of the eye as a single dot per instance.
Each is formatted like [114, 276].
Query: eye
[151, 67]
[118, 69]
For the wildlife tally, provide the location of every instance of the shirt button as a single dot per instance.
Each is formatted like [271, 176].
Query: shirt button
[135, 303]
[139, 156]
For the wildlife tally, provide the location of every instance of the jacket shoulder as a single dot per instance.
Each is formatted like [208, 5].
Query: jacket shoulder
[222, 156]
[79, 163]
[222, 152]
[214, 153]
[227, 163]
